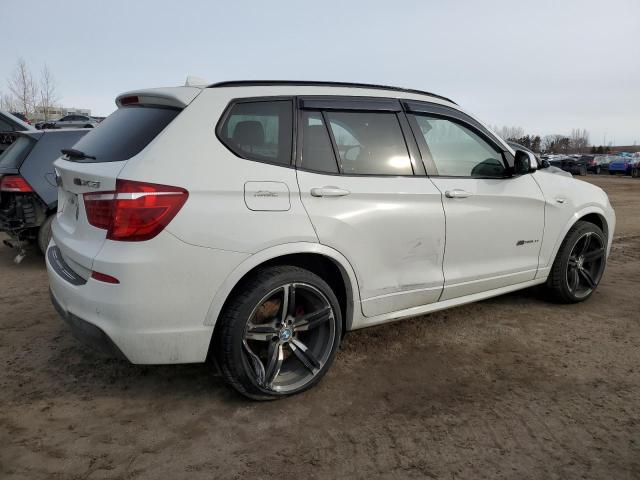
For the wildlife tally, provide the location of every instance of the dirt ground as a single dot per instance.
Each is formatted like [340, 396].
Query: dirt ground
[512, 387]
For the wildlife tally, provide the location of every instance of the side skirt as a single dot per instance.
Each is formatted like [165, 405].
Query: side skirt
[363, 322]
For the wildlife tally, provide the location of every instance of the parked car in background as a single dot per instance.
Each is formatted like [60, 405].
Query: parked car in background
[622, 165]
[635, 170]
[69, 121]
[28, 190]
[594, 163]
[257, 221]
[575, 166]
[9, 124]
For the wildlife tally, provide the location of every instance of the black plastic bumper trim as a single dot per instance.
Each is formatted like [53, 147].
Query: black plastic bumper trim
[61, 268]
[87, 333]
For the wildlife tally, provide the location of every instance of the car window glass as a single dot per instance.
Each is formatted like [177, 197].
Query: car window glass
[13, 156]
[457, 151]
[370, 143]
[125, 132]
[260, 131]
[317, 152]
[5, 126]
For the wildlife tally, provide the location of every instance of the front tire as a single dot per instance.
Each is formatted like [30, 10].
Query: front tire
[579, 264]
[278, 333]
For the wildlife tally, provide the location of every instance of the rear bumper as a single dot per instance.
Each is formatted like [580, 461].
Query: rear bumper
[88, 333]
[157, 313]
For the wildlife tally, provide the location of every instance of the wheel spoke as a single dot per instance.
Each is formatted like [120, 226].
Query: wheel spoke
[274, 363]
[305, 356]
[573, 262]
[291, 307]
[585, 245]
[256, 364]
[594, 254]
[573, 281]
[312, 320]
[587, 276]
[262, 332]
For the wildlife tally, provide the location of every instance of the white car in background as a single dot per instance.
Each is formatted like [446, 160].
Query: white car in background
[259, 221]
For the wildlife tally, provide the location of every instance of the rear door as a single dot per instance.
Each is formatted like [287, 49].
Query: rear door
[121, 136]
[367, 196]
[495, 221]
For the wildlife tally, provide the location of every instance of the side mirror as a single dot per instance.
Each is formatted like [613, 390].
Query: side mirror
[525, 162]
[545, 164]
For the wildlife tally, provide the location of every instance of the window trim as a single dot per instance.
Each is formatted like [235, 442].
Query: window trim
[415, 108]
[274, 98]
[350, 103]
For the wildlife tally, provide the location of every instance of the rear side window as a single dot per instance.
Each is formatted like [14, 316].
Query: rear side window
[13, 156]
[369, 143]
[125, 133]
[261, 131]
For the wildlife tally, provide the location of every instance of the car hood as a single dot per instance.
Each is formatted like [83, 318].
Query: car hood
[558, 171]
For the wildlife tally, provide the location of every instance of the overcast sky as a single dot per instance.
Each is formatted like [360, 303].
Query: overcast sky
[547, 66]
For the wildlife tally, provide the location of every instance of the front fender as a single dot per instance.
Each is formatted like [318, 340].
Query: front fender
[608, 217]
[271, 253]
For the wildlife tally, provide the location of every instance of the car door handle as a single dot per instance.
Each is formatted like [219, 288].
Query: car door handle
[457, 194]
[329, 192]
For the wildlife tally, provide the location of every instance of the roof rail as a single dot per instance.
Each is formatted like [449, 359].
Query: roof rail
[255, 83]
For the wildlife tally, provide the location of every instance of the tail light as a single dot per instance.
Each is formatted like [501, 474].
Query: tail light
[14, 183]
[136, 211]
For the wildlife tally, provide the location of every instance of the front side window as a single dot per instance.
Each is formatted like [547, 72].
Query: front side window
[369, 143]
[260, 131]
[457, 151]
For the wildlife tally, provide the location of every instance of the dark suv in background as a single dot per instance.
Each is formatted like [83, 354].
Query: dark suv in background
[28, 190]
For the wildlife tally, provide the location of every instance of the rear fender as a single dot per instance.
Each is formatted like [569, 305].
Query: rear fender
[271, 253]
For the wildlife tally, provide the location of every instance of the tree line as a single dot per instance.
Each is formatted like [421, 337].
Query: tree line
[576, 142]
[26, 92]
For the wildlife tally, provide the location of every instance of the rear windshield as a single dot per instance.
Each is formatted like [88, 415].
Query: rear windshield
[13, 156]
[125, 133]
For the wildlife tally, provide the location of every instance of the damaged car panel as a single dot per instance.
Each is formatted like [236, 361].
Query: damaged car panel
[28, 191]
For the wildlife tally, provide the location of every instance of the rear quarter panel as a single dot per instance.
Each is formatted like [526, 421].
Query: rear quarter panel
[189, 155]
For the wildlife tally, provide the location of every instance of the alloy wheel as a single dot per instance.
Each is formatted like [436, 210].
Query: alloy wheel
[289, 337]
[586, 264]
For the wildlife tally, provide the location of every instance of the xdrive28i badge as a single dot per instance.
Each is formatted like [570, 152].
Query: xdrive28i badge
[519, 243]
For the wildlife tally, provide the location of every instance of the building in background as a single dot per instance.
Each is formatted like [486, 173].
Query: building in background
[55, 113]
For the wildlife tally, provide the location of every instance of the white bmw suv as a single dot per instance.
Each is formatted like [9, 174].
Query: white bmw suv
[258, 221]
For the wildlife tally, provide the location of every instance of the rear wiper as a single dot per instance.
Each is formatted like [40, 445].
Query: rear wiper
[76, 154]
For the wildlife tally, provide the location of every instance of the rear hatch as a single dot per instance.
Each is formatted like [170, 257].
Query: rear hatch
[94, 165]
[12, 158]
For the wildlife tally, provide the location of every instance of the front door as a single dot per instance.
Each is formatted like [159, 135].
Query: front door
[368, 199]
[494, 221]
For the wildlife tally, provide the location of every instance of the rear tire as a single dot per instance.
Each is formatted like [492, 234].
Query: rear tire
[635, 172]
[597, 170]
[583, 171]
[579, 264]
[278, 334]
[44, 234]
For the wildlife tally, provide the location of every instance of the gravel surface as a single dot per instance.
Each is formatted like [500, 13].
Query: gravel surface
[512, 387]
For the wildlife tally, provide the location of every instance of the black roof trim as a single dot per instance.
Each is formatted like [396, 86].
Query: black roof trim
[311, 83]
